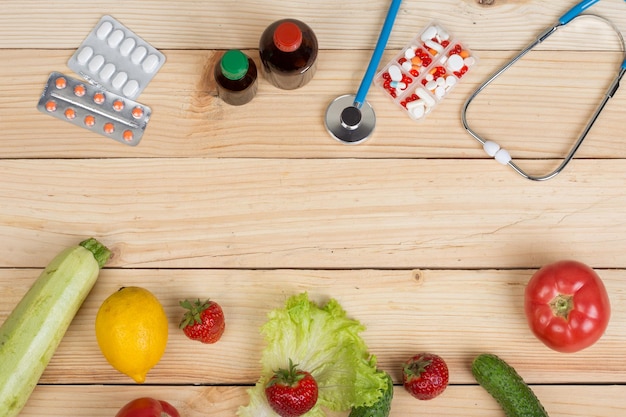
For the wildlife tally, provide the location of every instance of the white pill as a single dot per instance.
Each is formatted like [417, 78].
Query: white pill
[429, 77]
[428, 100]
[395, 73]
[469, 61]
[441, 82]
[409, 53]
[503, 157]
[138, 54]
[443, 35]
[119, 79]
[399, 85]
[115, 38]
[407, 66]
[150, 63]
[416, 108]
[434, 46]
[107, 71]
[127, 46]
[450, 81]
[455, 62]
[431, 85]
[130, 88]
[95, 63]
[491, 148]
[104, 30]
[440, 91]
[84, 55]
[429, 33]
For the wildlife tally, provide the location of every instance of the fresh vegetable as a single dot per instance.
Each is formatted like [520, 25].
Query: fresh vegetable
[203, 320]
[132, 331]
[148, 407]
[506, 386]
[325, 343]
[380, 408]
[567, 306]
[35, 327]
[425, 376]
[291, 392]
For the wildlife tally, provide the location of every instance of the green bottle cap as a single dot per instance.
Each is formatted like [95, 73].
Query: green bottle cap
[234, 64]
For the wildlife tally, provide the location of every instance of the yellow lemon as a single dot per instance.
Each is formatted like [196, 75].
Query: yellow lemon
[132, 329]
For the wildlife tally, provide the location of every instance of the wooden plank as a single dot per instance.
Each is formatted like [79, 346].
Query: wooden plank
[471, 401]
[351, 24]
[310, 213]
[455, 313]
[535, 111]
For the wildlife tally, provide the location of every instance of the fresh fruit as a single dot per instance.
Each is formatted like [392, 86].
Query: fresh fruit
[567, 306]
[425, 376]
[35, 327]
[132, 330]
[291, 392]
[148, 407]
[380, 408]
[507, 387]
[203, 321]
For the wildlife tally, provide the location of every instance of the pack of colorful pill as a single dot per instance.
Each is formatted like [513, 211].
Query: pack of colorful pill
[425, 71]
[94, 108]
[114, 58]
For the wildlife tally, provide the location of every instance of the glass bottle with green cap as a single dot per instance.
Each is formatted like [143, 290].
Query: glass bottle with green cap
[236, 78]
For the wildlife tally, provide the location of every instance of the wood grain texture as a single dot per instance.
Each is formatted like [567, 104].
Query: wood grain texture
[311, 213]
[559, 401]
[417, 233]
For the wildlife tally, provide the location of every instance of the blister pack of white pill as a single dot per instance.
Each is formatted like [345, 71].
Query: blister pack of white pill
[114, 58]
[425, 71]
[94, 109]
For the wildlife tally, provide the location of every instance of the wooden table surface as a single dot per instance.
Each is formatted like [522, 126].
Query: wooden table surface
[416, 232]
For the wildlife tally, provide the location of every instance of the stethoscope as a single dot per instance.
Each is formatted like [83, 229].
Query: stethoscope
[501, 155]
[350, 118]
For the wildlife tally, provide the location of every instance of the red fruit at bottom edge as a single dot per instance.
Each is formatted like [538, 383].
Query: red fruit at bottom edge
[291, 392]
[425, 376]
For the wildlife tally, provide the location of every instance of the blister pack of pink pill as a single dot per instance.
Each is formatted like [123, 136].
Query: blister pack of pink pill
[425, 71]
[117, 65]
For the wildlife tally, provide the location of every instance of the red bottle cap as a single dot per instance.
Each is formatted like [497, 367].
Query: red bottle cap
[287, 37]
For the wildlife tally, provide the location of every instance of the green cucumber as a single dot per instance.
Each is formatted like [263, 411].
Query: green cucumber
[381, 407]
[507, 387]
[35, 327]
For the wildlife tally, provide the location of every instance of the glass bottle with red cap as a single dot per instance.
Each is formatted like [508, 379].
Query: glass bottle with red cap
[288, 50]
[236, 78]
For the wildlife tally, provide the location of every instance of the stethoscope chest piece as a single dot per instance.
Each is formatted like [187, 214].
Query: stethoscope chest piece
[348, 123]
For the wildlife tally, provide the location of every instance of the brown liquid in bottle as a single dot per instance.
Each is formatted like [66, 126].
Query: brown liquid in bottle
[288, 50]
[236, 78]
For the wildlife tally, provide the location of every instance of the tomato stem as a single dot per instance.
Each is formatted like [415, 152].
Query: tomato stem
[562, 305]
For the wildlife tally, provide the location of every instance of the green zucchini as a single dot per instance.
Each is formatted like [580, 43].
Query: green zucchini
[35, 327]
[507, 387]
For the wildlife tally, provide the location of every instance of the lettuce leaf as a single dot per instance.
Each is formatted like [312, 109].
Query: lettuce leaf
[326, 343]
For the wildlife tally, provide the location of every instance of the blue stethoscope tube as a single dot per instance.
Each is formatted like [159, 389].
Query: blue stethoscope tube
[368, 78]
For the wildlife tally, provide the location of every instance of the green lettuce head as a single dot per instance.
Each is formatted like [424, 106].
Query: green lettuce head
[324, 342]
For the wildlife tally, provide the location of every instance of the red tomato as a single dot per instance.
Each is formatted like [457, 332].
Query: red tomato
[567, 306]
[147, 407]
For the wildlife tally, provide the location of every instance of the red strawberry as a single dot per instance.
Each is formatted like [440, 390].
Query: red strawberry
[425, 376]
[291, 392]
[203, 321]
